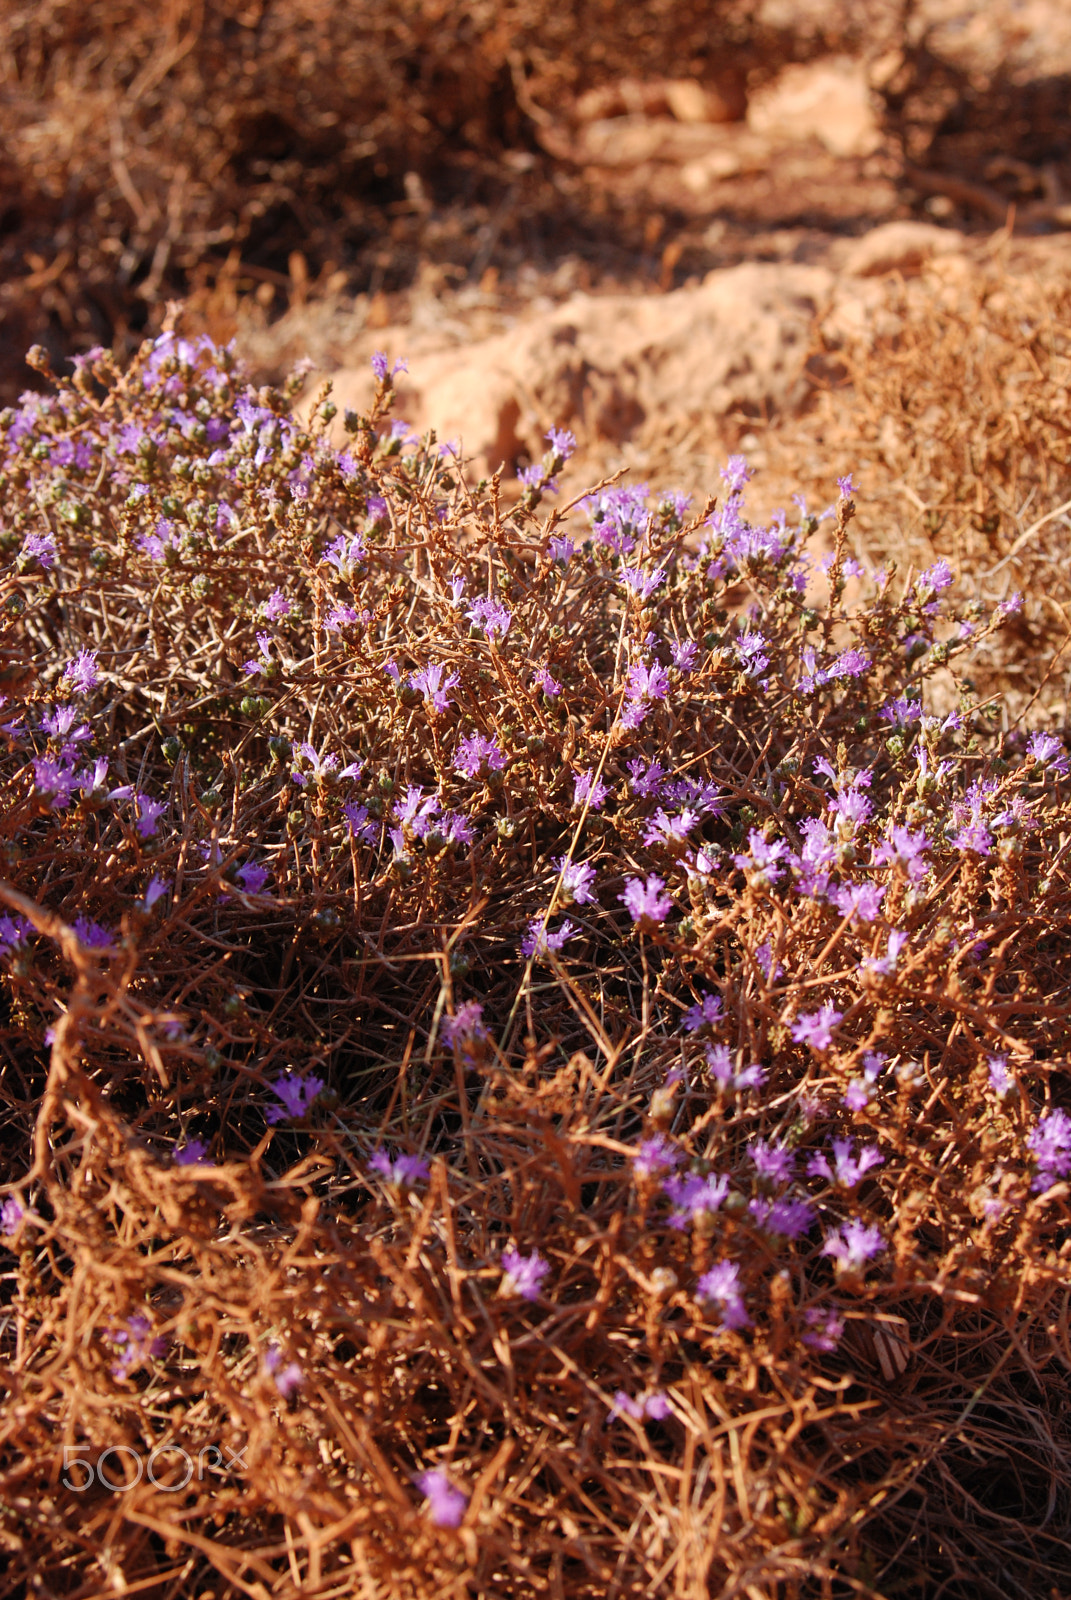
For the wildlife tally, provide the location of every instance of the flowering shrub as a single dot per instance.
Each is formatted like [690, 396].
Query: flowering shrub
[508, 1248]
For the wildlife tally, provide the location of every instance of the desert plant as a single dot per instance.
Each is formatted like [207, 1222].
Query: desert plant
[534, 1040]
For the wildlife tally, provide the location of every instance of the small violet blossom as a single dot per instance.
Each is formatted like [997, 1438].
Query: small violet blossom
[649, 1407]
[719, 1289]
[289, 1378]
[825, 1329]
[465, 1027]
[577, 879]
[296, 1096]
[137, 1345]
[189, 1153]
[434, 686]
[816, 1027]
[1051, 1144]
[589, 791]
[523, 1275]
[847, 1169]
[646, 904]
[401, 1172]
[654, 1155]
[704, 1013]
[81, 674]
[1048, 752]
[446, 1504]
[538, 942]
[852, 1246]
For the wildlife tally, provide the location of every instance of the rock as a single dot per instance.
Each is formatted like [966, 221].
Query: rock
[902, 247]
[632, 141]
[687, 99]
[828, 100]
[614, 367]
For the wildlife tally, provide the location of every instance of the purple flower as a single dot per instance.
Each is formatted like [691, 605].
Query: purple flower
[902, 711]
[445, 1503]
[137, 1346]
[845, 485]
[816, 1028]
[704, 1013]
[647, 682]
[561, 441]
[719, 1290]
[773, 1162]
[935, 578]
[464, 1027]
[287, 1378]
[642, 584]
[189, 1153]
[684, 654]
[646, 781]
[550, 686]
[402, 1172]
[561, 549]
[340, 616]
[975, 837]
[252, 877]
[825, 1328]
[652, 1406]
[91, 934]
[694, 1197]
[646, 903]
[1001, 1080]
[853, 1245]
[432, 685]
[277, 606]
[589, 790]
[63, 725]
[761, 863]
[654, 1155]
[149, 814]
[903, 849]
[14, 932]
[360, 825]
[346, 552]
[81, 673]
[490, 615]
[538, 942]
[523, 1275]
[296, 1096]
[671, 831]
[157, 888]
[847, 1169]
[577, 879]
[765, 957]
[40, 547]
[382, 370]
[55, 779]
[12, 1214]
[476, 756]
[736, 473]
[849, 664]
[1051, 1144]
[723, 1070]
[790, 1219]
[416, 812]
[1048, 752]
[860, 902]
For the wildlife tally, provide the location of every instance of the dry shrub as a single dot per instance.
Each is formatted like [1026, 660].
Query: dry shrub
[954, 409]
[313, 144]
[712, 1241]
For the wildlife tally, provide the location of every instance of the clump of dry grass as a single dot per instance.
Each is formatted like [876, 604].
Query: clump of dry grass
[712, 1240]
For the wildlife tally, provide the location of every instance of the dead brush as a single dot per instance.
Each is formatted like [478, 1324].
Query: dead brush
[534, 1061]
